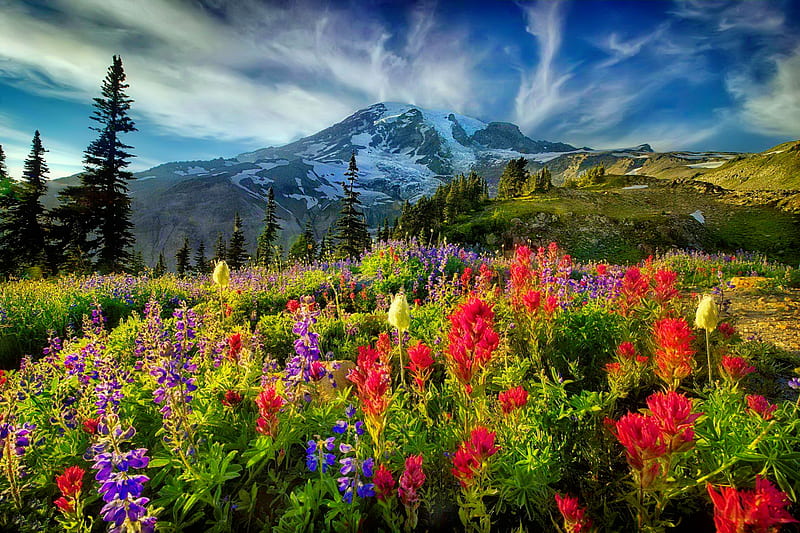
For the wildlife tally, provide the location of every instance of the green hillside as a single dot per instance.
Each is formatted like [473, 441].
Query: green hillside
[628, 224]
[776, 168]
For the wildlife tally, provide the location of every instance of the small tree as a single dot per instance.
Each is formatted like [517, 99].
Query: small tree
[305, 246]
[513, 179]
[352, 233]
[200, 261]
[542, 180]
[220, 249]
[23, 227]
[264, 251]
[237, 255]
[161, 266]
[182, 258]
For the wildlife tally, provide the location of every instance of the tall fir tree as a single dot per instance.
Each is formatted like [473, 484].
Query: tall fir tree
[237, 254]
[352, 235]
[200, 261]
[95, 215]
[182, 258]
[3, 168]
[264, 251]
[513, 179]
[220, 249]
[23, 226]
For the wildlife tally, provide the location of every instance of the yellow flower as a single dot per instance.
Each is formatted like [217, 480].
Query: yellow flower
[707, 316]
[399, 313]
[221, 275]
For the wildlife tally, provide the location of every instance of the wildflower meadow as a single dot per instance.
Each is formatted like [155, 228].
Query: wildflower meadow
[418, 388]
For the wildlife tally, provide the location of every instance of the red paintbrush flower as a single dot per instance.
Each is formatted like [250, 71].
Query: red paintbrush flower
[550, 305]
[513, 399]
[759, 510]
[575, 519]
[419, 363]
[674, 355]
[269, 404]
[292, 306]
[384, 483]
[641, 437]
[736, 367]
[90, 425]
[234, 346]
[532, 301]
[634, 287]
[372, 381]
[665, 286]
[70, 484]
[411, 480]
[472, 340]
[726, 329]
[673, 412]
[760, 406]
[470, 455]
[232, 398]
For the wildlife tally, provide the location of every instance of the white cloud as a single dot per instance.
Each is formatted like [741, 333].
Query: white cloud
[258, 75]
[540, 92]
[771, 107]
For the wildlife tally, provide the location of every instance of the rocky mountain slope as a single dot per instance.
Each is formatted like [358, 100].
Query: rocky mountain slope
[403, 152]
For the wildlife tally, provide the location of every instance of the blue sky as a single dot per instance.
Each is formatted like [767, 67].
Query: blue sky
[216, 78]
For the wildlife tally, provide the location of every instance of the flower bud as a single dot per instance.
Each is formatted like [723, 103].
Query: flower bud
[399, 313]
[221, 275]
[707, 316]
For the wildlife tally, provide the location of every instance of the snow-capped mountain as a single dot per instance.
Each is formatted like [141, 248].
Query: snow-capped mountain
[403, 152]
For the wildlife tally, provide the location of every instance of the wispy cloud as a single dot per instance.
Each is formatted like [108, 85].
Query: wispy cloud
[253, 75]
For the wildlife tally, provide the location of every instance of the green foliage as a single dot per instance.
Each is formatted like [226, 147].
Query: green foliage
[514, 179]
[352, 235]
[237, 253]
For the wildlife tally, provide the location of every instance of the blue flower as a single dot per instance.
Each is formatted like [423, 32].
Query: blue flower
[340, 427]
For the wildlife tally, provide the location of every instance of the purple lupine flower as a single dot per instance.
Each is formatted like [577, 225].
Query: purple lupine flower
[121, 487]
[794, 383]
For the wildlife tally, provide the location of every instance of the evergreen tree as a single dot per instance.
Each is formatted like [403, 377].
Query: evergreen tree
[326, 246]
[542, 181]
[182, 258]
[22, 230]
[304, 247]
[3, 169]
[513, 179]
[137, 262]
[237, 254]
[352, 233]
[269, 234]
[220, 249]
[161, 266]
[95, 215]
[200, 261]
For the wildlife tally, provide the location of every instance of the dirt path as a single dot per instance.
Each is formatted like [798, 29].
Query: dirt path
[773, 317]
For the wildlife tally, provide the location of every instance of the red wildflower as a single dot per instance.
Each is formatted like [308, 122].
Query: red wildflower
[602, 269]
[317, 371]
[634, 287]
[521, 272]
[472, 340]
[532, 300]
[615, 369]
[626, 350]
[372, 381]
[470, 455]
[575, 519]
[466, 277]
[641, 437]
[3, 378]
[736, 367]
[665, 286]
[759, 510]
[673, 412]
[419, 363]
[727, 330]
[65, 505]
[292, 306]
[269, 403]
[232, 398]
[411, 480]
[384, 346]
[513, 399]
[674, 356]
[760, 406]
[71, 481]
[417, 302]
[90, 425]
[550, 305]
[234, 346]
[384, 483]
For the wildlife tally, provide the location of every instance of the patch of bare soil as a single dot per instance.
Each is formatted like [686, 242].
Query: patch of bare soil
[774, 317]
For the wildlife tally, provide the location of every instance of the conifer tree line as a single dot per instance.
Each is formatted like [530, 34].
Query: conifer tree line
[517, 181]
[462, 195]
